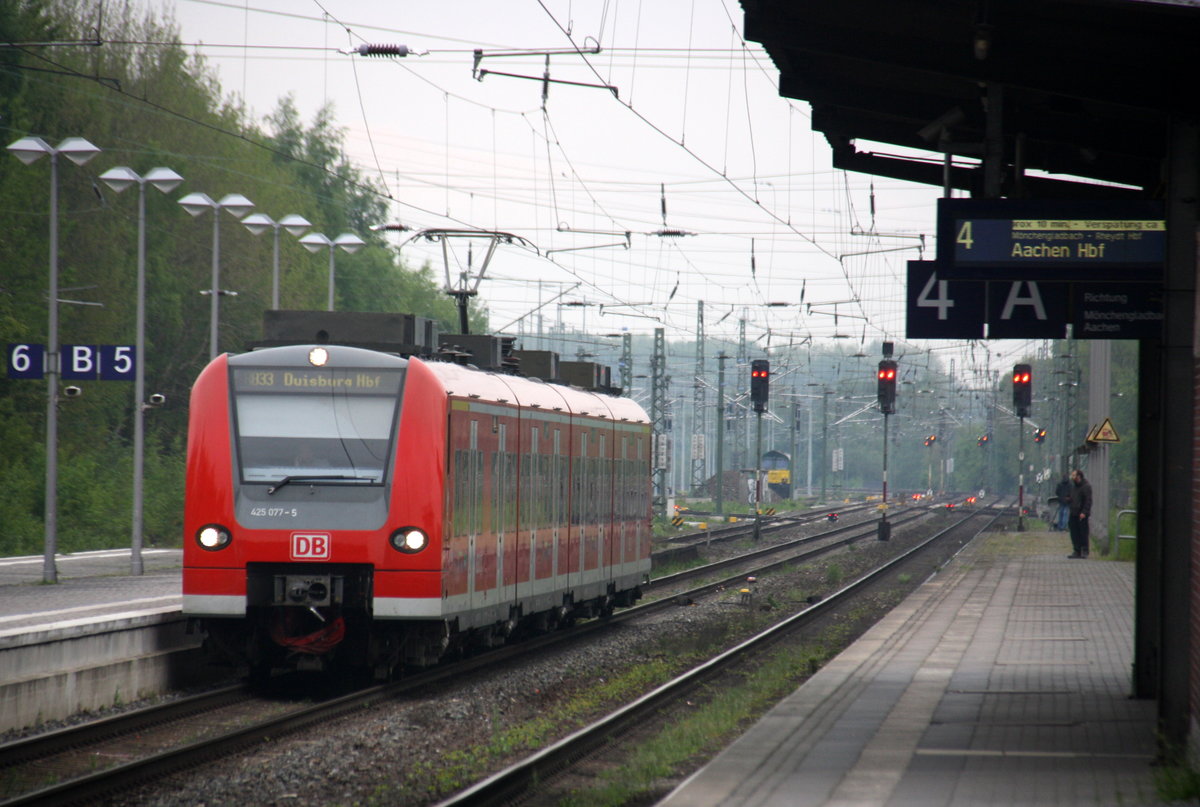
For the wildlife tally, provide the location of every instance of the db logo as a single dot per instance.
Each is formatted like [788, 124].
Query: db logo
[310, 546]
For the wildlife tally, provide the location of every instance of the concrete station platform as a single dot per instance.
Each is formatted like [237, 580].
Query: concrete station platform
[89, 583]
[99, 636]
[1005, 679]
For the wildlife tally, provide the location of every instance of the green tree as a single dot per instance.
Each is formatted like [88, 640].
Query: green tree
[147, 105]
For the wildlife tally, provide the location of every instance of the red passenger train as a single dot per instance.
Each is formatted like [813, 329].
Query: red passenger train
[351, 506]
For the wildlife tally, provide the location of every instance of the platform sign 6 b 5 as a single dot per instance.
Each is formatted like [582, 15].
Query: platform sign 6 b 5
[76, 362]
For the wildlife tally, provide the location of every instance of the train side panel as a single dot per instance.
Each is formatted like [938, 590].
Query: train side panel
[212, 584]
[413, 586]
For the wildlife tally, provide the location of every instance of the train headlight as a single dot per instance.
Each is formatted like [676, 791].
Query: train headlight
[213, 537]
[409, 539]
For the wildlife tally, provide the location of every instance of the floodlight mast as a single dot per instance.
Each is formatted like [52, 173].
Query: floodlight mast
[164, 180]
[315, 242]
[79, 151]
[239, 207]
[259, 223]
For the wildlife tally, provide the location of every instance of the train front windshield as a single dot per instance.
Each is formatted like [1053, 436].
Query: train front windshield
[320, 425]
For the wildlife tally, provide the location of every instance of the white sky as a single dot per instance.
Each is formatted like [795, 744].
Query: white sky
[697, 111]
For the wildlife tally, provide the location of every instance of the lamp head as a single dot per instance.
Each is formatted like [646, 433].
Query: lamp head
[315, 242]
[197, 203]
[163, 179]
[295, 224]
[119, 178]
[30, 149]
[258, 223]
[237, 205]
[349, 242]
[78, 150]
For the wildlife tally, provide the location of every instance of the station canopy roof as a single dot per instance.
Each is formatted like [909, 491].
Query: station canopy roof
[1087, 87]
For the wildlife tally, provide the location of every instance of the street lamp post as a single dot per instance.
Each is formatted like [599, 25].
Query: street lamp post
[315, 242]
[165, 180]
[258, 224]
[78, 151]
[238, 206]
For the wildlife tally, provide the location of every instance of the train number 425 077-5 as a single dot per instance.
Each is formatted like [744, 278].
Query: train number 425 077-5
[273, 511]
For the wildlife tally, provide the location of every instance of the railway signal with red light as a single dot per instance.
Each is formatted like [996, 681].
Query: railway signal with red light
[931, 439]
[887, 387]
[1023, 390]
[1039, 435]
[760, 384]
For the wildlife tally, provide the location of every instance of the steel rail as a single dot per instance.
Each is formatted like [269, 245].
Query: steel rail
[860, 531]
[522, 776]
[39, 746]
[91, 786]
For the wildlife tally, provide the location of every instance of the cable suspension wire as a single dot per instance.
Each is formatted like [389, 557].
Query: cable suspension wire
[549, 136]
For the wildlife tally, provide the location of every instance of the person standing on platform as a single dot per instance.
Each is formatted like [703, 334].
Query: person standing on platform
[1081, 510]
[1062, 493]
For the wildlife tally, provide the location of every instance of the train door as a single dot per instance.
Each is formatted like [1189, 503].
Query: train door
[585, 511]
[504, 509]
[464, 509]
[630, 499]
[535, 508]
[525, 529]
[486, 579]
[560, 479]
[578, 503]
[621, 503]
[604, 523]
[640, 483]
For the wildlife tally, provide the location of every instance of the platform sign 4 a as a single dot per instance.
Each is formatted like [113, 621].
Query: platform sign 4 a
[939, 308]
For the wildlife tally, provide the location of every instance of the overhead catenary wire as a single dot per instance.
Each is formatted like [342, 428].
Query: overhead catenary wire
[578, 186]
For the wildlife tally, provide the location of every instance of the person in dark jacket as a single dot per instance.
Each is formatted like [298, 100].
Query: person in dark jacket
[1081, 511]
[1062, 493]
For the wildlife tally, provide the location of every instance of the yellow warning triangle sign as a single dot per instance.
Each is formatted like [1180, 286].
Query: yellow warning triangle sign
[1106, 433]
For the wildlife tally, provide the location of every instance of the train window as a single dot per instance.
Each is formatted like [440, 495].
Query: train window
[464, 505]
[503, 501]
[467, 516]
[337, 431]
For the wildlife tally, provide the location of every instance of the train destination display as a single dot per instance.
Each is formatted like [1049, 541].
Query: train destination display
[1052, 241]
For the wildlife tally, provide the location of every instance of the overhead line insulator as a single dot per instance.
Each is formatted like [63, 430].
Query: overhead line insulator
[368, 49]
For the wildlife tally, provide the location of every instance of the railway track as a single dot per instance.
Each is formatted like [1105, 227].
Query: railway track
[522, 778]
[758, 561]
[769, 523]
[232, 719]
